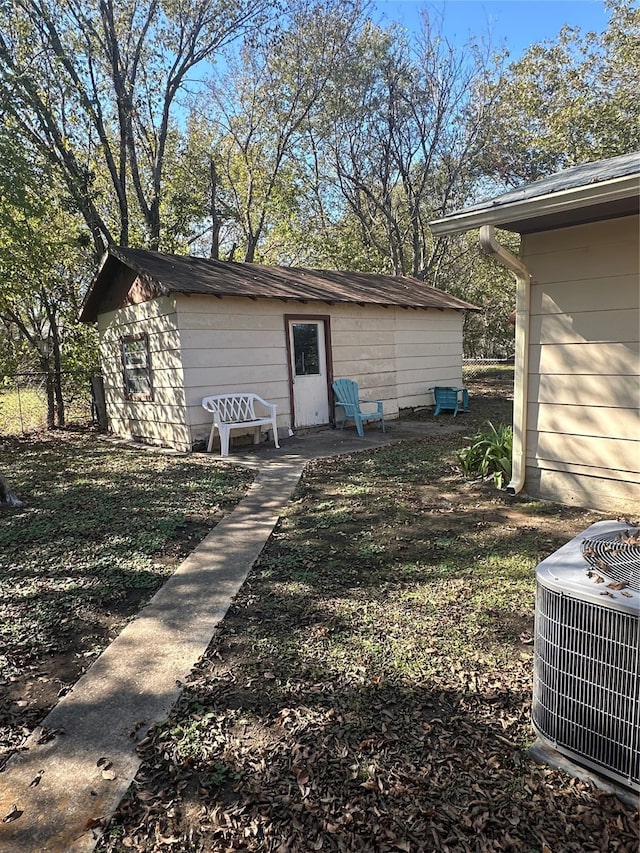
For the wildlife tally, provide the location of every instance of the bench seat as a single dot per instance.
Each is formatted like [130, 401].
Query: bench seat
[237, 411]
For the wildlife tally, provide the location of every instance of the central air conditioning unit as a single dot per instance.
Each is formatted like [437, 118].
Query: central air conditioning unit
[586, 686]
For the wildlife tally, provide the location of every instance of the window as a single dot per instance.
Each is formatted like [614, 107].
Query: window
[305, 349]
[136, 367]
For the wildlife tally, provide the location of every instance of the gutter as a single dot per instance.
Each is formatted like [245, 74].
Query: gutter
[516, 205]
[491, 247]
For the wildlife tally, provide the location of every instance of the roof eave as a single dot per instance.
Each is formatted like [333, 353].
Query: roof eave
[86, 314]
[537, 208]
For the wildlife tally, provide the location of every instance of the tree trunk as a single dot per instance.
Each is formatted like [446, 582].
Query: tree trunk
[7, 497]
[45, 367]
[215, 219]
[57, 360]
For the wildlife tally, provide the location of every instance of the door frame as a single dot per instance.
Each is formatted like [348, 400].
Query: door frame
[328, 354]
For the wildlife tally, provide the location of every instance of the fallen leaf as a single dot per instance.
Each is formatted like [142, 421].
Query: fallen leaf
[48, 734]
[36, 779]
[13, 814]
[145, 795]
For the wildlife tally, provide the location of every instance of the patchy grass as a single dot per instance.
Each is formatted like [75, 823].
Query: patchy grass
[24, 410]
[370, 688]
[101, 529]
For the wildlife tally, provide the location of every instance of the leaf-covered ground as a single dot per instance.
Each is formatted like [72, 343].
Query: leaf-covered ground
[102, 527]
[370, 688]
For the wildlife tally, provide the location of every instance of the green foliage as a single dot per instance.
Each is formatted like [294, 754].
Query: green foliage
[478, 279]
[43, 268]
[489, 454]
[103, 116]
[329, 141]
[569, 101]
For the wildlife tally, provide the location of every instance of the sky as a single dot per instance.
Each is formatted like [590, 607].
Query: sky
[514, 24]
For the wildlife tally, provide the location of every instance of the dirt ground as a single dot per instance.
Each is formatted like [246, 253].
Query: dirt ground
[30, 692]
[370, 688]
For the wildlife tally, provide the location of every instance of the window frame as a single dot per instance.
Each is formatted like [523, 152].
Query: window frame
[144, 396]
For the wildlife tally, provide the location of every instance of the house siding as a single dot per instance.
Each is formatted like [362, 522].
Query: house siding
[428, 353]
[394, 354]
[161, 420]
[231, 345]
[583, 422]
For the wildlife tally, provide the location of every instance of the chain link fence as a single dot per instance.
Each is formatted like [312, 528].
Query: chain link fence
[487, 368]
[24, 405]
[23, 396]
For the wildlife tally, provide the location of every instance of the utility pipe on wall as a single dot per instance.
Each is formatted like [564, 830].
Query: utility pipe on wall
[490, 246]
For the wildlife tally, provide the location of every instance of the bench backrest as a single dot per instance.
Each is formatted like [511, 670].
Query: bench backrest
[232, 408]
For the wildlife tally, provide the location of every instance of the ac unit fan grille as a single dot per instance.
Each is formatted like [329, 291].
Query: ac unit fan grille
[587, 683]
[616, 555]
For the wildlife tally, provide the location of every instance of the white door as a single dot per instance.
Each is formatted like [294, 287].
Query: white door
[309, 372]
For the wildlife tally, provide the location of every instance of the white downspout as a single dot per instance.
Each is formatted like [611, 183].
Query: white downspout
[490, 246]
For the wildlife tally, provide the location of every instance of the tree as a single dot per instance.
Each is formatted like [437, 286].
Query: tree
[403, 133]
[42, 250]
[259, 111]
[568, 101]
[474, 277]
[7, 497]
[98, 95]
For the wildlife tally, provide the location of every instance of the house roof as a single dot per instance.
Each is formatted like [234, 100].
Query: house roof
[165, 274]
[601, 190]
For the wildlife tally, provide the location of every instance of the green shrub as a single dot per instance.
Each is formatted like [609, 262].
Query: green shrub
[489, 455]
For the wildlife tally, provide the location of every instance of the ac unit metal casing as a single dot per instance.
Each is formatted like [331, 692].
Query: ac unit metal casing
[586, 685]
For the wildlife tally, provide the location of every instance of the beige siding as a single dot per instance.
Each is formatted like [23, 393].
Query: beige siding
[161, 420]
[201, 346]
[609, 326]
[584, 489]
[583, 425]
[609, 457]
[604, 390]
[428, 353]
[586, 359]
[236, 344]
[231, 345]
[596, 421]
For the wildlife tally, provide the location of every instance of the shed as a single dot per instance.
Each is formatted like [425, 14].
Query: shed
[174, 329]
[577, 379]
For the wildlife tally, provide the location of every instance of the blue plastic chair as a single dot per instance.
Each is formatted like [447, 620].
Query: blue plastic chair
[456, 399]
[348, 397]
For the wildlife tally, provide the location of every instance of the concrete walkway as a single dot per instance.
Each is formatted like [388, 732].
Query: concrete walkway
[76, 767]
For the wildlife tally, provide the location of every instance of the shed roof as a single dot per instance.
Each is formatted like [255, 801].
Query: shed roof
[586, 193]
[164, 274]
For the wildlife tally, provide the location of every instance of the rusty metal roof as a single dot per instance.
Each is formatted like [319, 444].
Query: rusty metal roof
[166, 274]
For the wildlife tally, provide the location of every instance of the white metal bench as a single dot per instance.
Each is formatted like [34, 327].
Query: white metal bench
[237, 411]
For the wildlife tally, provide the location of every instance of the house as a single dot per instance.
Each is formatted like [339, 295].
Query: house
[577, 383]
[174, 329]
